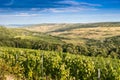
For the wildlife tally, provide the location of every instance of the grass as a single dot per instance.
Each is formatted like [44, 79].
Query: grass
[78, 33]
[97, 33]
[25, 34]
[69, 33]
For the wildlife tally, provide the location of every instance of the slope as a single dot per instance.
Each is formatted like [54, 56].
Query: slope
[25, 34]
[78, 33]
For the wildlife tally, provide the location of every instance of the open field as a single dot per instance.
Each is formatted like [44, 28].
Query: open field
[79, 33]
[88, 33]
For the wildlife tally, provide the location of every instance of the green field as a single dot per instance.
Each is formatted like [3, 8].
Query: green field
[25, 34]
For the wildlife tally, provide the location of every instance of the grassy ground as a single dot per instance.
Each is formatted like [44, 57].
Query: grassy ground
[79, 33]
[25, 34]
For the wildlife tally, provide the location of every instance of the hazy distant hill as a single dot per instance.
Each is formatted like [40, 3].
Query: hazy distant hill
[15, 25]
[68, 26]
[48, 27]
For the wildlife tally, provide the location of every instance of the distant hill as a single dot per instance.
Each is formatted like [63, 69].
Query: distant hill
[85, 39]
[25, 34]
[46, 28]
[58, 33]
[78, 33]
[15, 25]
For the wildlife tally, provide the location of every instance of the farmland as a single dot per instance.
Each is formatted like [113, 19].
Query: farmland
[36, 64]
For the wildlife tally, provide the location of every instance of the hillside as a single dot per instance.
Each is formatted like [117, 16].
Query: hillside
[78, 33]
[16, 33]
[89, 41]
[34, 55]
[46, 28]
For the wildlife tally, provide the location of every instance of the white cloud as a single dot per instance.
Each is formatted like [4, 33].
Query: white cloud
[68, 9]
[75, 3]
[20, 15]
[74, 6]
[25, 14]
[68, 2]
[89, 4]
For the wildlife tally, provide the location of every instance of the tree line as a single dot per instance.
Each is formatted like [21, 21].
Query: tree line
[109, 47]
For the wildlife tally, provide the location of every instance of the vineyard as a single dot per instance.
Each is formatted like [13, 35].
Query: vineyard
[27, 64]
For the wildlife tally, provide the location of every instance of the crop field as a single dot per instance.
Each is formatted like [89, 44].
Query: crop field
[30, 64]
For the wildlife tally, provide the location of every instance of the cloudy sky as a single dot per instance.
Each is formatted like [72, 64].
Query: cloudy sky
[58, 11]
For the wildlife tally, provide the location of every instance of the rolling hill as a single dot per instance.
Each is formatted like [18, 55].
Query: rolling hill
[25, 34]
[51, 53]
[79, 33]
[95, 39]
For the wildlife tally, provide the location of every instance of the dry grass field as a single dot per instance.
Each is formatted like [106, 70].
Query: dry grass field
[78, 33]
[46, 27]
[94, 33]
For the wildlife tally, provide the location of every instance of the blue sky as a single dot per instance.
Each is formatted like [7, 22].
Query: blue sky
[58, 11]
